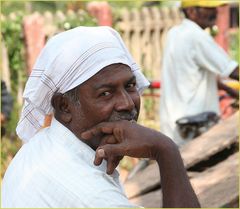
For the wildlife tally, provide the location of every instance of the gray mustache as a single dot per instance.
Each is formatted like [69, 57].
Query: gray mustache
[124, 115]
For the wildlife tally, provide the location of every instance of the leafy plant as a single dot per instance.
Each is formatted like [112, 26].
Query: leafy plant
[73, 19]
[12, 35]
[8, 149]
[234, 45]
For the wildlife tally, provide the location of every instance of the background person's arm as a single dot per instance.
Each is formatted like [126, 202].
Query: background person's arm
[210, 56]
[232, 92]
[137, 141]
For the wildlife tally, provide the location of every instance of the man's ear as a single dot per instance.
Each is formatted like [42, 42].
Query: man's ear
[62, 106]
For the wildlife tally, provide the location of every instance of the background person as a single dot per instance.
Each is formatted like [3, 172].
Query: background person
[191, 62]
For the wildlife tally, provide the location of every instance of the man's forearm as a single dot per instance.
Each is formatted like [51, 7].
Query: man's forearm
[176, 188]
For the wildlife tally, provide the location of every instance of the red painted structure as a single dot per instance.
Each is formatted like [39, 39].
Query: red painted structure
[34, 38]
[101, 11]
[223, 21]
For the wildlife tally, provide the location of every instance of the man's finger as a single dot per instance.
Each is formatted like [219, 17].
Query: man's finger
[101, 128]
[100, 155]
[118, 134]
[111, 163]
[108, 139]
[113, 150]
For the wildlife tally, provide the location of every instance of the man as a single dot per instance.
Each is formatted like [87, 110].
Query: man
[191, 62]
[87, 78]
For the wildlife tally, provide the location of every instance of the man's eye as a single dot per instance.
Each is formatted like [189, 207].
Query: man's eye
[131, 85]
[105, 93]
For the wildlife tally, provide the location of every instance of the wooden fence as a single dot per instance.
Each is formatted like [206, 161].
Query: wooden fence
[144, 32]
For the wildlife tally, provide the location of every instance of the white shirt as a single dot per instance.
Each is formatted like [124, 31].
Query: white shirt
[55, 169]
[191, 61]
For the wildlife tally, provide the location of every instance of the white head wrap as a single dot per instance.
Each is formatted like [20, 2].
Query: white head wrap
[67, 60]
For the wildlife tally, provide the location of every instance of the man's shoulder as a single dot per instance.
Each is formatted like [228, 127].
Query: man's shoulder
[189, 26]
[186, 29]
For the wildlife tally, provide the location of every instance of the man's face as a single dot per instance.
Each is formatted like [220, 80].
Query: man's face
[205, 17]
[110, 95]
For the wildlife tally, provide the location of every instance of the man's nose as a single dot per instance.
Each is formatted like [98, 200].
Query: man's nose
[124, 102]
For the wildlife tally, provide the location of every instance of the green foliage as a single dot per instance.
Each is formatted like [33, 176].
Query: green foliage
[30, 6]
[234, 45]
[76, 19]
[126, 163]
[12, 34]
[14, 117]
[127, 4]
[148, 105]
[9, 148]
[10, 6]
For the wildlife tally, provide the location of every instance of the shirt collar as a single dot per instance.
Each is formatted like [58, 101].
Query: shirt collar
[65, 137]
[190, 22]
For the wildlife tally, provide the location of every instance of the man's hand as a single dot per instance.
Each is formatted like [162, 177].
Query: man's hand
[128, 138]
[131, 138]
[123, 138]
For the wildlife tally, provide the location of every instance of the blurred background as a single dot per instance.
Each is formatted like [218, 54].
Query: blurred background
[27, 25]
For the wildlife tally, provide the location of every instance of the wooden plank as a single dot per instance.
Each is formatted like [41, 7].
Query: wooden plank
[215, 187]
[215, 140]
[218, 138]
[154, 199]
[152, 182]
[218, 186]
[149, 200]
[143, 181]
